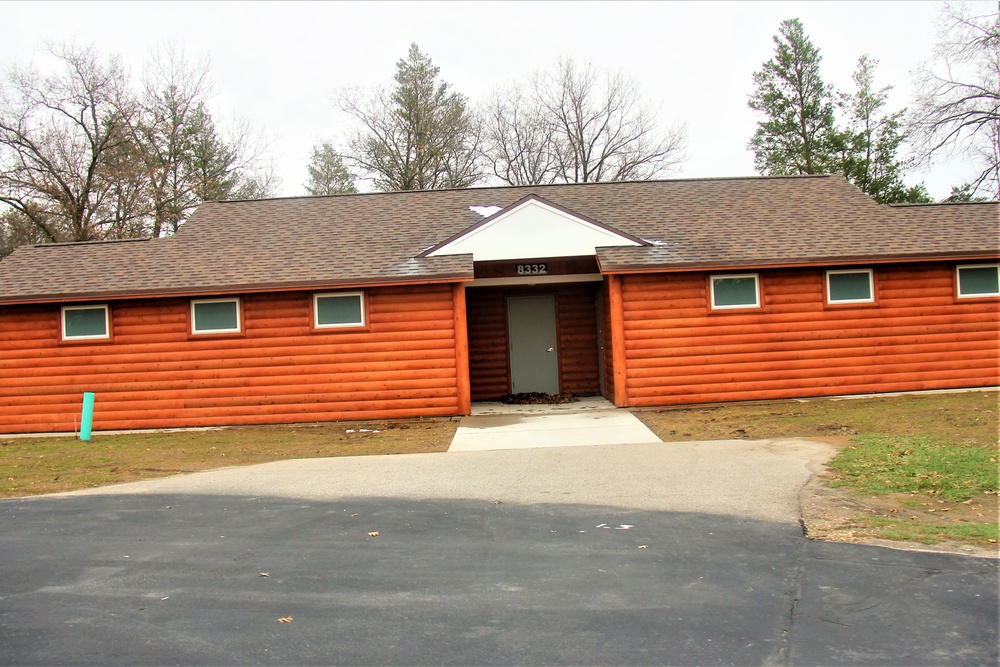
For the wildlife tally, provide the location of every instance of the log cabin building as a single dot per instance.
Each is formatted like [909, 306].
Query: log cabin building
[419, 303]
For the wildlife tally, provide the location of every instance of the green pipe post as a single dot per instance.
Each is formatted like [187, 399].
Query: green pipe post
[87, 419]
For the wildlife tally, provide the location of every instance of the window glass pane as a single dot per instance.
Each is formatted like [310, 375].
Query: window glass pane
[978, 280]
[850, 286]
[740, 291]
[85, 322]
[339, 310]
[216, 316]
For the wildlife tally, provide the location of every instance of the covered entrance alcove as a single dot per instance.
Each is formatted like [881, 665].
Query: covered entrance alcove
[533, 307]
[536, 333]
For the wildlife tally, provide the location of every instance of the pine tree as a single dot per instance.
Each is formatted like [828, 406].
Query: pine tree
[871, 142]
[797, 135]
[327, 173]
[418, 136]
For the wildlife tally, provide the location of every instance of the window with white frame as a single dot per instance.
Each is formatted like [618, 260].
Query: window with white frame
[213, 316]
[978, 280]
[338, 310]
[850, 286]
[86, 322]
[740, 291]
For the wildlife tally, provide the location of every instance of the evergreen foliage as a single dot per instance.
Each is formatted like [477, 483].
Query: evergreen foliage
[419, 135]
[328, 175]
[799, 133]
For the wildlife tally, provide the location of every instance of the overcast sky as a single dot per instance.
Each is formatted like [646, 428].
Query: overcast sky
[280, 64]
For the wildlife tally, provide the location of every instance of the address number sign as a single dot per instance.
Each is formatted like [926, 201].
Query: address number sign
[532, 269]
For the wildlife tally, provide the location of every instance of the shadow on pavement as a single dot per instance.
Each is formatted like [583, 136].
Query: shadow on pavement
[177, 579]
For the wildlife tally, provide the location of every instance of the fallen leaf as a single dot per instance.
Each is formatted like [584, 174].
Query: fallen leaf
[168, 507]
[264, 574]
[286, 619]
[498, 502]
[374, 533]
[643, 546]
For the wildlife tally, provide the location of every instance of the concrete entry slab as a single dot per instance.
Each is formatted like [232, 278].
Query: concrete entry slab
[581, 404]
[520, 431]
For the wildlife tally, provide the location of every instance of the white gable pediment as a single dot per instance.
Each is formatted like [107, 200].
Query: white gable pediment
[532, 228]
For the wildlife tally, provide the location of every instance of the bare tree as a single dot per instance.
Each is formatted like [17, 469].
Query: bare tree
[957, 107]
[172, 91]
[184, 159]
[576, 125]
[17, 230]
[418, 135]
[604, 131]
[64, 143]
[83, 157]
[519, 142]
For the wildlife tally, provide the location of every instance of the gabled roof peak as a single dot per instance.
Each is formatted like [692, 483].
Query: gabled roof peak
[532, 227]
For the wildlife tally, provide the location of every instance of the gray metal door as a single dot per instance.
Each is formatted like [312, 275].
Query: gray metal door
[534, 358]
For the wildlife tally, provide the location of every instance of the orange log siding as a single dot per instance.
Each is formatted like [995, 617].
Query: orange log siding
[662, 345]
[155, 374]
[607, 353]
[616, 331]
[578, 354]
[489, 374]
[917, 336]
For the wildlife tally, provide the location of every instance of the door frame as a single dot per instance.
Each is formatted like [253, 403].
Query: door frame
[510, 356]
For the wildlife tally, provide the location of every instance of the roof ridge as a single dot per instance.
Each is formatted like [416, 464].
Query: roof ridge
[79, 243]
[535, 185]
[942, 203]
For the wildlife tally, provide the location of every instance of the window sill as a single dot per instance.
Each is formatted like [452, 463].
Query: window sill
[359, 328]
[86, 341]
[214, 336]
[859, 304]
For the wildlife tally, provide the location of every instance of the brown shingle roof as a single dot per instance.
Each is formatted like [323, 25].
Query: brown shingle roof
[312, 242]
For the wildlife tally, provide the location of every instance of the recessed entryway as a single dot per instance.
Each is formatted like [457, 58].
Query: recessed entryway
[496, 314]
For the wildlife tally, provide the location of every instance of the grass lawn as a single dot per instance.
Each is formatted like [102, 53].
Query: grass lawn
[925, 465]
[30, 466]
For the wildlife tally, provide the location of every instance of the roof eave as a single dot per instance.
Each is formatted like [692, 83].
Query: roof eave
[121, 295]
[680, 267]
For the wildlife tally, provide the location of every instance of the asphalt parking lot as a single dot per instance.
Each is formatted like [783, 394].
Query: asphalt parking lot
[587, 555]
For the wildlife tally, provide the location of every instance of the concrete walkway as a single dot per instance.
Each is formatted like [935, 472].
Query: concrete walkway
[589, 421]
[748, 479]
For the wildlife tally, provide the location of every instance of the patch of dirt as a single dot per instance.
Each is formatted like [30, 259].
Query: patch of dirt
[831, 514]
[536, 398]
